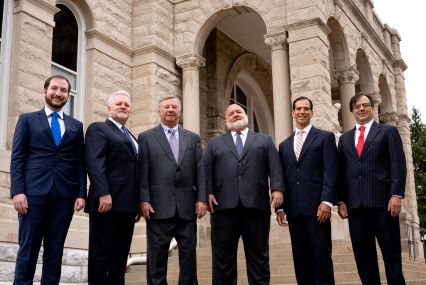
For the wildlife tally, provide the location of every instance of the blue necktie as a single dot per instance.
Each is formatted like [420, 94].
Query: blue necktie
[126, 133]
[239, 144]
[56, 128]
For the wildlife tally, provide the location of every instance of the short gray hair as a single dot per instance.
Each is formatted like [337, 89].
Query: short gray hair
[116, 93]
[170, 97]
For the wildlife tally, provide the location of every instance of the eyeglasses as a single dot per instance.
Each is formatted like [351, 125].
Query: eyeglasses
[364, 106]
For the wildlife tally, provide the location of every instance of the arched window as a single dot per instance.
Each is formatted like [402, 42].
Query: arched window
[5, 54]
[67, 50]
[239, 97]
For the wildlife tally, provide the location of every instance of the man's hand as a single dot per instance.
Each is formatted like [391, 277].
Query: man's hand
[342, 210]
[276, 199]
[212, 203]
[79, 204]
[20, 203]
[281, 219]
[105, 203]
[145, 210]
[323, 212]
[394, 206]
[200, 209]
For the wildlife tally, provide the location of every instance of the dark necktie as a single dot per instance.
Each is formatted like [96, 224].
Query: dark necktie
[360, 143]
[56, 128]
[239, 144]
[174, 144]
[126, 133]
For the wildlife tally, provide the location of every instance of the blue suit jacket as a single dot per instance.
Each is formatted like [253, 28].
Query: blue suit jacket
[38, 165]
[313, 178]
[380, 172]
[233, 179]
[113, 167]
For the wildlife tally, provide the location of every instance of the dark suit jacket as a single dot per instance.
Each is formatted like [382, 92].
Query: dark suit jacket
[38, 165]
[172, 187]
[112, 166]
[313, 178]
[232, 179]
[380, 172]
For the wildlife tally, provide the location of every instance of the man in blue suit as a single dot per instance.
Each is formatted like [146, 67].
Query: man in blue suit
[48, 182]
[310, 165]
[373, 176]
[112, 158]
[239, 164]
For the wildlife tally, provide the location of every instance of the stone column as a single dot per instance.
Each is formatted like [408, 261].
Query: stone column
[190, 65]
[409, 215]
[377, 99]
[281, 85]
[347, 79]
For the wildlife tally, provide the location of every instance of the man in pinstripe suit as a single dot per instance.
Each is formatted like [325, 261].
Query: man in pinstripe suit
[373, 184]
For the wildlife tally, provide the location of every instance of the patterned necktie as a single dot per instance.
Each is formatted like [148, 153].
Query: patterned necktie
[126, 133]
[299, 144]
[56, 128]
[239, 144]
[174, 144]
[360, 143]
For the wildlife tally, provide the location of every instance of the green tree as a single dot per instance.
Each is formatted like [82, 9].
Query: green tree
[418, 144]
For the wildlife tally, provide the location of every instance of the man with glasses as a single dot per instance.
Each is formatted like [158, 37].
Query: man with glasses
[372, 186]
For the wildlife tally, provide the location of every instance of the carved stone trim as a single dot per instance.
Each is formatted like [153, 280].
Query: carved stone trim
[389, 118]
[349, 75]
[190, 61]
[276, 41]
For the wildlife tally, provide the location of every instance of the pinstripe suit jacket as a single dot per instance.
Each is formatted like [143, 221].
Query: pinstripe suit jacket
[380, 172]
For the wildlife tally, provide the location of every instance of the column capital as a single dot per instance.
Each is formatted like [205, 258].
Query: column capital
[276, 40]
[390, 118]
[190, 61]
[349, 75]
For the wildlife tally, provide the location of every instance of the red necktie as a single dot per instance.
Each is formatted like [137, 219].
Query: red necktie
[360, 143]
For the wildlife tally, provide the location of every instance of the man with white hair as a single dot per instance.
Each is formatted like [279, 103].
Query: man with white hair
[113, 156]
[238, 166]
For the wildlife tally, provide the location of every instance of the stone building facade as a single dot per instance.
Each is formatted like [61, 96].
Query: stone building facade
[259, 53]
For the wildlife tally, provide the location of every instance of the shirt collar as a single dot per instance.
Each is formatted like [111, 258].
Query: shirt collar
[306, 129]
[166, 128]
[116, 123]
[49, 112]
[367, 125]
[243, 132]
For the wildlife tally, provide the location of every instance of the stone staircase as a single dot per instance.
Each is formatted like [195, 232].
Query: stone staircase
[281, 262]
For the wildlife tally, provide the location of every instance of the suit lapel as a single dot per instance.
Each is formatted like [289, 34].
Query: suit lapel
[183, 141]
[230, 142]
[45, 124]
[162, 140]
[349, 140]
[312, 135]
[120, 133]
[374, 130]
[249, 141]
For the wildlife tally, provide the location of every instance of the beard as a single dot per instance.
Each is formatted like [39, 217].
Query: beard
[237, 125]
[59, 105]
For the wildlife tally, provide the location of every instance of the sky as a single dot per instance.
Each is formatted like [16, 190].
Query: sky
[407, 18]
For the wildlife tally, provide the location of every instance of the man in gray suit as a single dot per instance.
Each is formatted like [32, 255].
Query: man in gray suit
[238, 165]
[173, 193]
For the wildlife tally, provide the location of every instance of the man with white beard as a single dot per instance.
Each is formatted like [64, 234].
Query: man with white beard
[238, 165]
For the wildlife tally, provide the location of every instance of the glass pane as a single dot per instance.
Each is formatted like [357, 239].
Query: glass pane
[65, 39]
[241, 97]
